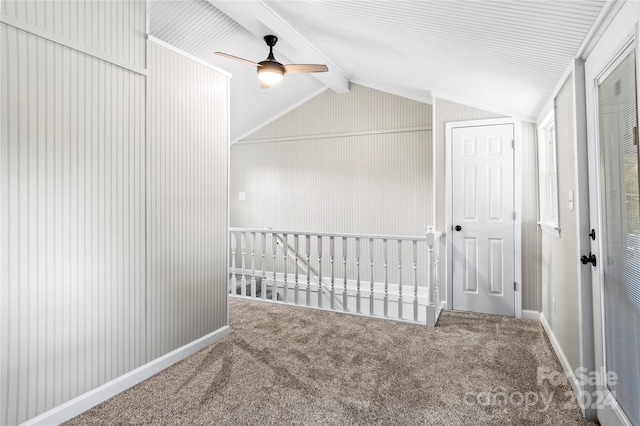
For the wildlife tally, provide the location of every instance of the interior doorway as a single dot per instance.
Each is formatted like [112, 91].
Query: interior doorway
[482, 231]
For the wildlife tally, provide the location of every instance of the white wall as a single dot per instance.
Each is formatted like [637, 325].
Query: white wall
[187, 210]
[79, 251]
[343, 163]
[352, 163]
[529, 230]
[559, 254]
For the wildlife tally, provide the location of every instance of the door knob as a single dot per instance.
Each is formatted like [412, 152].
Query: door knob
[458, 228]
[591, 259]
[592, 234]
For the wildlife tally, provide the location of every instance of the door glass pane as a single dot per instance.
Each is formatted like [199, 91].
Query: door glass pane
[620, 259]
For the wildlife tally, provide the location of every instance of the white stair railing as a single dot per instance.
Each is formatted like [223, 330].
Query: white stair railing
[331, 272]
[292, 255]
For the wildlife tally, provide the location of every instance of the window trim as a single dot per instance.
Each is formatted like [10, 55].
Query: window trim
[545, 212]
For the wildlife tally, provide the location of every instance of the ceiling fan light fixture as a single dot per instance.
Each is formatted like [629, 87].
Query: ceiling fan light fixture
[270, 73]
[270, 77]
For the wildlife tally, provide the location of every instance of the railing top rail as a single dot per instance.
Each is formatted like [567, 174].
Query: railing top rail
[328, 234]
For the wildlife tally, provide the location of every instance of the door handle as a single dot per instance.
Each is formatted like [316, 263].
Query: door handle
[458, 228]
[592, 234]
[591, 259]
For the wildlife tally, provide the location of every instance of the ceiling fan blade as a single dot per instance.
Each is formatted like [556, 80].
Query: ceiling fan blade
[235, 58]
[304, 68]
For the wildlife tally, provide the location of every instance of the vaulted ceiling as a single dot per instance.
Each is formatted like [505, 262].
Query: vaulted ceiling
[503, 56]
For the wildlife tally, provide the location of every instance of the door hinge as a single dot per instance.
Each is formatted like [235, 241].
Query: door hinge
[515, 286]
[635, 136]
[513, 143]
[513, 215]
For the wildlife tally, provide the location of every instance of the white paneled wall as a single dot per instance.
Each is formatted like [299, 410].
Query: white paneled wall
[73, 188]
[344, 163]
[109, 28]
[373, 184]
[531, 288]
[186, 200]
[361, 110]
[113, 200]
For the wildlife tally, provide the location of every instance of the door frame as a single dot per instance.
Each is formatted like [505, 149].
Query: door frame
[605, 56]
[517, 201]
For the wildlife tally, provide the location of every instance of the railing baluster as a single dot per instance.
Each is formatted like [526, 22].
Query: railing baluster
[431, 309]
[246, 280]
[399, 279]
[319, 238]
[233, 282]
[263, 280]
[274, 285]
[253, 264]
[415, 280]
[332, 254]
[296, 241]
[358, 275]
[436, 277]
[243, 276]
[308, 255]
[285, 250]
[371, 298]
[385, 253]
[344, 271]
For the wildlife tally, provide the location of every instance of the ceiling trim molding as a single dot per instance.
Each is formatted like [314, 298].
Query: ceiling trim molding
[259, 19]
[608, 12]
[277, 116]
[485, 107]
[408, 94]
[340, 135]
[188, 55]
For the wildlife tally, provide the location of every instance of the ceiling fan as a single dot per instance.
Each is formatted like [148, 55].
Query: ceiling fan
[270, 71]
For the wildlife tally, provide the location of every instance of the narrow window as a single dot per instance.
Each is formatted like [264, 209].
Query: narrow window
[548, 175]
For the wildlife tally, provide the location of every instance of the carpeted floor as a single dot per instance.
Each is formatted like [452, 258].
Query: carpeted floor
[286, 365]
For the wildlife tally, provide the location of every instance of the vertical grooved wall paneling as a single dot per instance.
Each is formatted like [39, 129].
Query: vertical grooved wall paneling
[72, 153]
[358, 162]
[113, 28]
[531, 289]
[373, 184]
[360, 110]
[186, 200]
[77, 210]
[558, 254]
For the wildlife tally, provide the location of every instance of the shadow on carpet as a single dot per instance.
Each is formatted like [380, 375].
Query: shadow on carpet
[287, 365]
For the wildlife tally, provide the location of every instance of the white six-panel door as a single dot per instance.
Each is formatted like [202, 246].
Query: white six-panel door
[482, 219]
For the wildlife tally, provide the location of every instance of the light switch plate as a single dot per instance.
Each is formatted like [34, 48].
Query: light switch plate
[242, 196]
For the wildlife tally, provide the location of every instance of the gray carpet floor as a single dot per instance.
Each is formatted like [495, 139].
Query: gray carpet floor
[288, 365]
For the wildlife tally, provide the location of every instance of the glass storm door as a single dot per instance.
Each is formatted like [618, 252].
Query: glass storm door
[618, 262]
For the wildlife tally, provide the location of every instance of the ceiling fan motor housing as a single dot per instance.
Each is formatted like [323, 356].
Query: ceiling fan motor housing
[271, 40]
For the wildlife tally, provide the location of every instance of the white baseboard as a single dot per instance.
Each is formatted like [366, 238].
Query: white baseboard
[531, 315]
[569, 372]
[87, 400]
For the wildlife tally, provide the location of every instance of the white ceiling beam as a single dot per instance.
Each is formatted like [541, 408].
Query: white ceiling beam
[259, 19]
